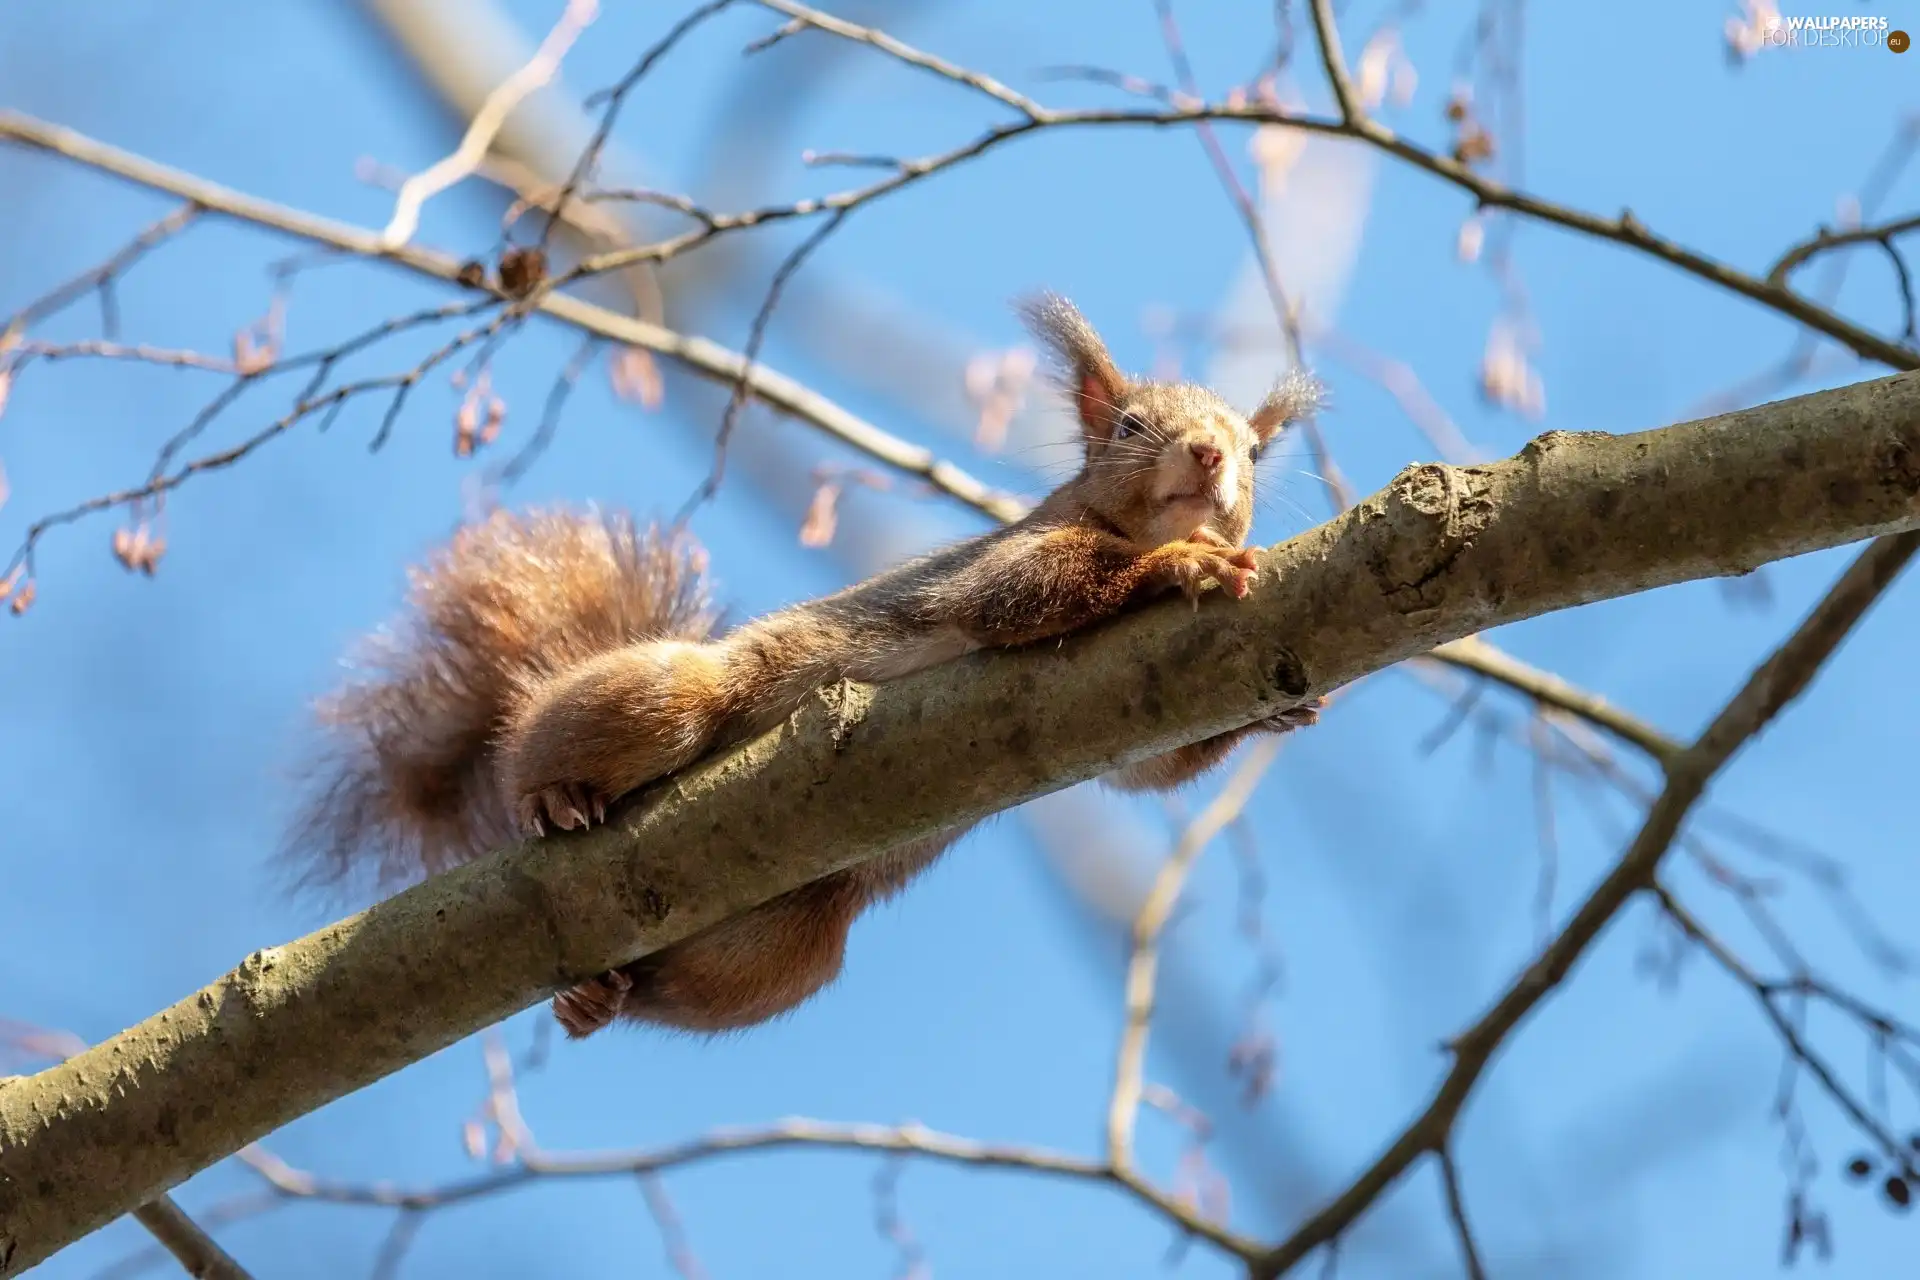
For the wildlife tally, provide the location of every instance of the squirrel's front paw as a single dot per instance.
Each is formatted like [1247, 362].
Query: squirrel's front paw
[584, 1009]
[1188, 565]
[566, 805]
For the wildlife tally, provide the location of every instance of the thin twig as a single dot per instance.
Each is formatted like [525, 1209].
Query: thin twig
[615, 98]
[673, 1232]
[252, 1204]
[909, 1139]
[33, 349]
[1457, 1213]
[393, 1250]
[1791, 1037]
[1142, 968]
[903, 52]
[1827, 240]
[197, 1251]
[706, 358]
[1478, 656]
[486, 122]
[1334, 62]
[756, 336]
[101, 276]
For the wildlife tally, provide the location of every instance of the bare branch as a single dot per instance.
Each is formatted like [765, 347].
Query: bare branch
[755, 337]
[138, 354]
[673, 1233]
[1880, 233]
[1327, 33]
[219, 1214]
[984, 85]
[1476, 655]
[1768, 994]
[1457, 1213]
[486, 122]
[393, 1250]
[532, 1164]
[197, 1251]
[99, 277]
[1777, 682]
[706, 358]
[1130, 1069]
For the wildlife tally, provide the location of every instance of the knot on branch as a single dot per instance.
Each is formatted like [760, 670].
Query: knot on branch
[846, 702]
[1432, 512]
[1900, 463]
[1549, 442]
[1289, 673]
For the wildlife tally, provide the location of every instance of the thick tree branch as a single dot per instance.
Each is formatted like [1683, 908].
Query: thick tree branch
[173, 1230]
[1441, 553]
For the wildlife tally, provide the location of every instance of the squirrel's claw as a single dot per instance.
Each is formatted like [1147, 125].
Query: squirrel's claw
[1300, 717]
[584, 1009]
[566, 805]
[1191, 563]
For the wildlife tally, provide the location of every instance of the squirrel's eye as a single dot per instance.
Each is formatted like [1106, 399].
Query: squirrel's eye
[1127, 425]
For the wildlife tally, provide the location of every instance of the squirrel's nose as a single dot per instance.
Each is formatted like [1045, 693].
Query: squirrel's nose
[1208, 456]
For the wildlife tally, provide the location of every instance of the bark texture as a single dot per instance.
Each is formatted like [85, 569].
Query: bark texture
[1440, 553]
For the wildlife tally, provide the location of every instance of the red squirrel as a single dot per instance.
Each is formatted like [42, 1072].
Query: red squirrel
[554, 661]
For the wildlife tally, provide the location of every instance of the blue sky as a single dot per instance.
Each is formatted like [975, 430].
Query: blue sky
[146, 728]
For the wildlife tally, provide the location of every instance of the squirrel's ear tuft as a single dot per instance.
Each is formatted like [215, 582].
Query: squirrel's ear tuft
[1296, 397]
[1097, 387]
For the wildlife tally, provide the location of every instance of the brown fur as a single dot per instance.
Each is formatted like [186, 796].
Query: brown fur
[558, 662]
[406, 784]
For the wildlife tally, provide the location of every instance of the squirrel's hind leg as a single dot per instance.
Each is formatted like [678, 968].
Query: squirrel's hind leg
[752, 967]
[585, 737]
[1183, 764]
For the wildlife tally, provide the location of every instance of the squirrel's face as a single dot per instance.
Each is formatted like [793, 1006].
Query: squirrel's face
[1169, 459]
[1164, 460]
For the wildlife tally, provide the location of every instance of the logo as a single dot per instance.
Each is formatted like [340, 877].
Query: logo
[1852, 32]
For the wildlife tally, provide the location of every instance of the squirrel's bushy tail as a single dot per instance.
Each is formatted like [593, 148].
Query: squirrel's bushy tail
[405, 785]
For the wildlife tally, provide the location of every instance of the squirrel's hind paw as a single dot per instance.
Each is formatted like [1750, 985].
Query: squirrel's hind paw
[584, 1009]
[1300, 717]
[568, 806]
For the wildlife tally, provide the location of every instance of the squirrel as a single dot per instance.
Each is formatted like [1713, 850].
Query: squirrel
[556, 660]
